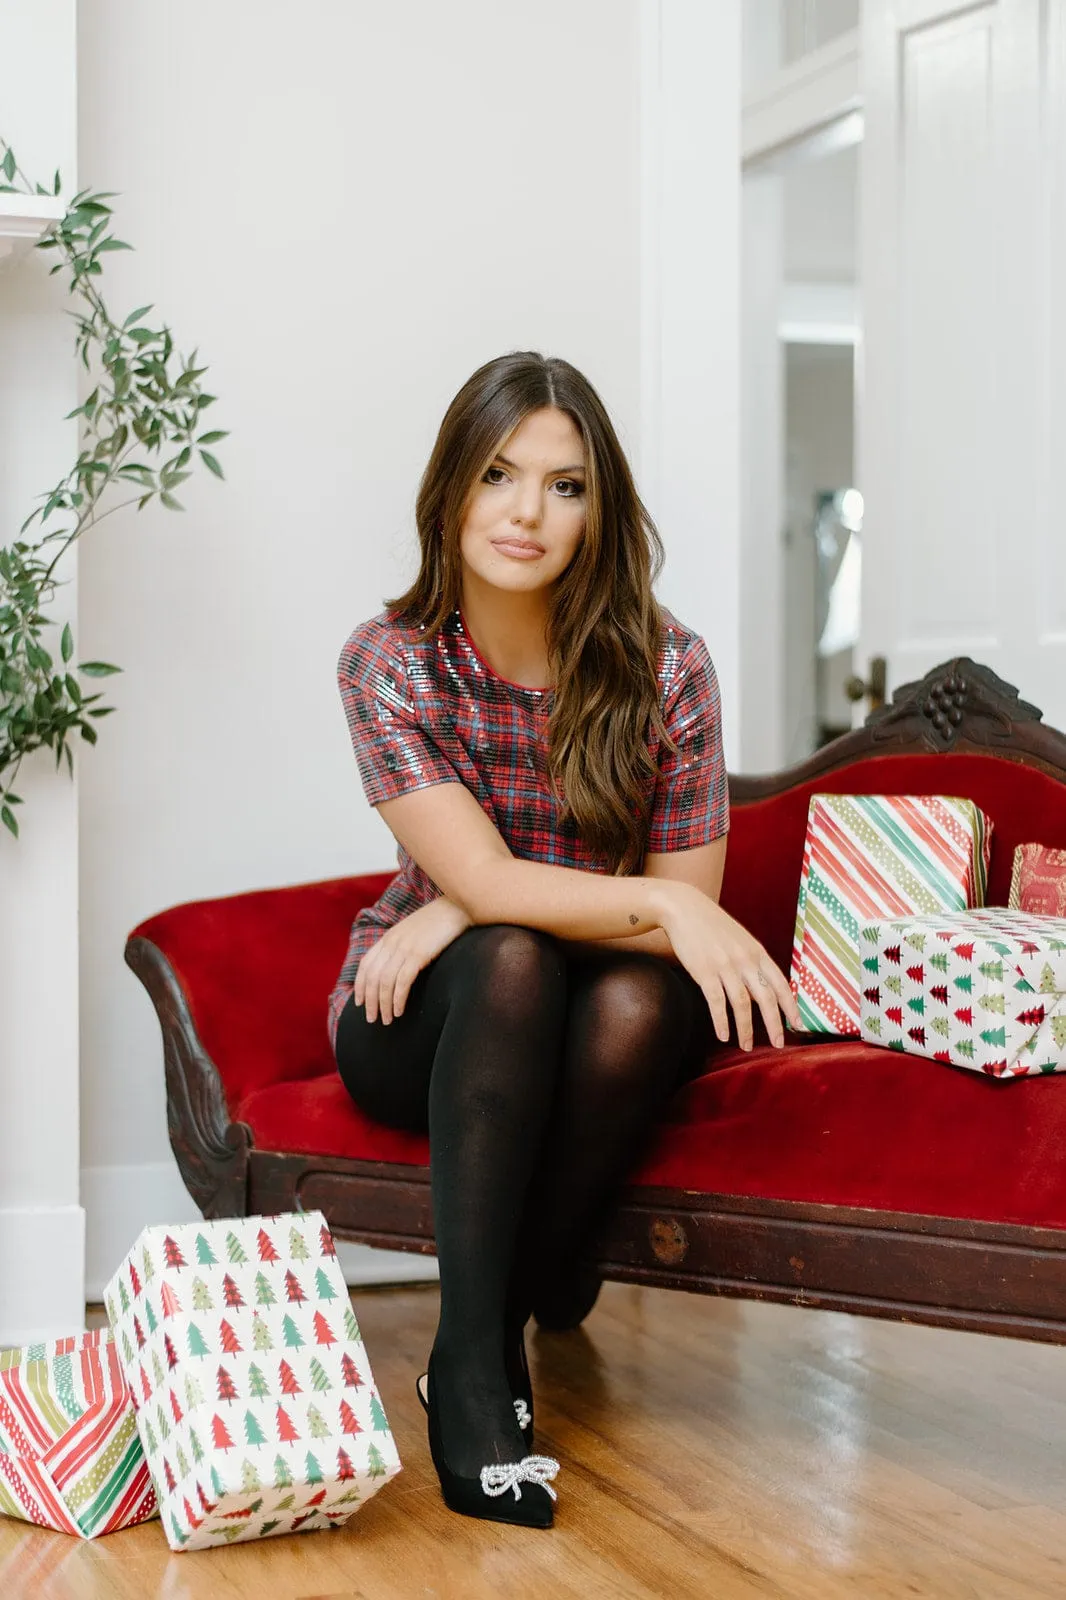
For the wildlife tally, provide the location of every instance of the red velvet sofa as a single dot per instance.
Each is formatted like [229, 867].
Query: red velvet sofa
[832, 1173]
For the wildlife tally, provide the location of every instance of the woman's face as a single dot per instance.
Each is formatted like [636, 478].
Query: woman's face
[534, 491]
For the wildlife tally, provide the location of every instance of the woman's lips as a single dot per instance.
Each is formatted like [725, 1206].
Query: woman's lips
[519, 551]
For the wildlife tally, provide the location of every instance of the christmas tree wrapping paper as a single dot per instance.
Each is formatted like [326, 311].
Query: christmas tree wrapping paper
[70, 1457]
[985, 990]
[255, 1400]
[867, 856]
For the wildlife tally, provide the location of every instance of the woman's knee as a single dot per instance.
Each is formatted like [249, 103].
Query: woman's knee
[648, 997]
[525, 965]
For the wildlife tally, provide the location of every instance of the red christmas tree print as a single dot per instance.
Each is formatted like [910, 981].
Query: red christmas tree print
[146, 1388]
[916, 974]
[349, 1420]
[172, 1255]
[873, 995]
[323, 1332]
[350, 1373]
[995, 1069]
[227, 1389]
[175, 1407]
[171, 1480]
[171, 1304]
[220, 1434]
[288, 1379]
[344, 1466]
[193, 1520]
[204, 1501]
[965, 1016]
[171, 1353]
[136, 1282]
[892, 954]
[1033, 1017]
[292, 1288]
[231, 1292]
[229, 1341]
[266, 1248]
[286, 1432]
[139, 1331]
[918, 1035]
[939, 993]
[325, 1239]
[964, 952]
[943, 1055]
[895, 1014]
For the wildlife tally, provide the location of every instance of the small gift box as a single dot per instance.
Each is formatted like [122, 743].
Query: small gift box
[255, 1400]
[70, 1458]
[872, 855]
[984, 990]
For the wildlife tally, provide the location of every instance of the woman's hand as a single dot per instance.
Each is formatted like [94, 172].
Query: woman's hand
[384, 976]
[726, 960]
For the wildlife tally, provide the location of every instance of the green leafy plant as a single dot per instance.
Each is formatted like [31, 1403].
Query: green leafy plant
[140, 431]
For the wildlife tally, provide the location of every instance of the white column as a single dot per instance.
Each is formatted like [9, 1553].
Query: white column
[690, 257]
[42, 1225]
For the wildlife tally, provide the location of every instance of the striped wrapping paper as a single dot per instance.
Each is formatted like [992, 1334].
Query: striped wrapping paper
[70, 1457]
[868, 857]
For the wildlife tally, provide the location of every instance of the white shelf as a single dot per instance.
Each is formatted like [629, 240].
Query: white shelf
[24, 217]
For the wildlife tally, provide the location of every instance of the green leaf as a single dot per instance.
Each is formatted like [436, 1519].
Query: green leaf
[142, 335]
[112, 244]
[7, 166]
[88, 733]
[213, 438]
[66, 644]
[170, 502]
[7, 817]
[97, 669]
[55, 189]
[209, 461]
[135, 316]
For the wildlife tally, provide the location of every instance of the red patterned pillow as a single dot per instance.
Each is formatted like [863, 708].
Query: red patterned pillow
[1038, 882]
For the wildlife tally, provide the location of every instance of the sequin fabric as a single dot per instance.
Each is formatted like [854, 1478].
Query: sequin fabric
[426, 711]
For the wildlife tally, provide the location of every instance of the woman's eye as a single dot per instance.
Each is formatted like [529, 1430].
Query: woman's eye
[491, 470]
[575, 487]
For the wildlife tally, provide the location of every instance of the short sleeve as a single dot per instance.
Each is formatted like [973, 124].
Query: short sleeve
[394, 751]
[690, 806]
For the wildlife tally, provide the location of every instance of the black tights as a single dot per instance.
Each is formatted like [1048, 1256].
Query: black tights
[538, 1074]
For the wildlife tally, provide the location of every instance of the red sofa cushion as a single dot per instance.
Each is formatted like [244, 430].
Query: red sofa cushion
[841, 1123]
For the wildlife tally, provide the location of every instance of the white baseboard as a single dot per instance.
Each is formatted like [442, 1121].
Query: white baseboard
[119, 1201]
[42, 1285]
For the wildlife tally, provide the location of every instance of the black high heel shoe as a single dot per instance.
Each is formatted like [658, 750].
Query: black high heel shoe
[523, 1402]
[485, 1497]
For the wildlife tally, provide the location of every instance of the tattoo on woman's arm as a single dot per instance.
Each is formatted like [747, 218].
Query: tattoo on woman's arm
[633, 920]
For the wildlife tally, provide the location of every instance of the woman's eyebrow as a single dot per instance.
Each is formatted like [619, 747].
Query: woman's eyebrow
[577, 467]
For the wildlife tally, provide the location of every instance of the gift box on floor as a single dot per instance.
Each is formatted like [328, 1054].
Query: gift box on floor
[985, 990]
[70, 1456]
[867, 856]
[255, 1400]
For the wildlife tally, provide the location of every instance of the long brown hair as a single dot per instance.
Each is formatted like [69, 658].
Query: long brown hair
[604, 624]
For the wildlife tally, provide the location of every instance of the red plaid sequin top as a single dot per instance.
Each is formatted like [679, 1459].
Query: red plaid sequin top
[424, 711]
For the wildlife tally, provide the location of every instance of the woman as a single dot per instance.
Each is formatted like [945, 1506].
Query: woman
[544, 740]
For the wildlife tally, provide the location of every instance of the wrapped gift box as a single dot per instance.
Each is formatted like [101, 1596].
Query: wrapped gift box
[868, 856]
[984, 990]
[70, 1457]
[255, 1400]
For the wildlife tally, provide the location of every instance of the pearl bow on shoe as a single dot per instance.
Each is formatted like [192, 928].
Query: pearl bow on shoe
[522, 1413]
[504, 1475]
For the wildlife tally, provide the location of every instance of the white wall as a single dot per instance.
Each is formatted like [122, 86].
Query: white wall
[347, 208]
[41, 1222]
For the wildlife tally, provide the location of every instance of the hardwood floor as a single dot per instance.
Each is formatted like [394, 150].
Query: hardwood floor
[708, 1448]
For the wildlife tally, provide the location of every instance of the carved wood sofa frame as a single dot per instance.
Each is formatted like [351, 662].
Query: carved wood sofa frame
[983, 1276]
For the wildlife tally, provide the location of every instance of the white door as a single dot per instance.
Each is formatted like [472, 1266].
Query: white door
[962, 371]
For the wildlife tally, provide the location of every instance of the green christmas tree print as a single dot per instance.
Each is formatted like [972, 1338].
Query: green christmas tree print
[182, 1538]
[258, 1387]
[264, 1294]
[127, 1348]
[319, 1377]
[377, 1415]
[268, 1527]
[326, 1291]
[351, 1327]
[249, 1478]
[293, 1337]
[149, 1272]
[153, 1444]
[297, 1245]
[150, 1314]
[217, 1484]
[261, 1339]
[313, 1471]
[201, 1296]
[233, 1248]
[197, 1346]
[123, 1296]
[204, 1253]
[157, 1368]
[282, 1475]
[253, 1433]
[183, 1464]
[317, 1424]
[375, 1465]
[197, 1447]
[194, 1395]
